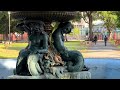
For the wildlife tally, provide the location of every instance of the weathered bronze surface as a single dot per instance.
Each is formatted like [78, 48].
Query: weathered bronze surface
[46, 16]
[43, 54]
[74, 59]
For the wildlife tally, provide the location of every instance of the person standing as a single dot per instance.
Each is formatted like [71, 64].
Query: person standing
[105, 40]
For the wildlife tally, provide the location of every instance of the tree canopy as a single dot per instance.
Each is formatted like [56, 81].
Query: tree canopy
[110, 19]
[4, 23]
[118, 18]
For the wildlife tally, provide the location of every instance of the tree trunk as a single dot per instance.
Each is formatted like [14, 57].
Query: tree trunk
[90, 28]
[108, 29]
[109, 32]
[5, 37]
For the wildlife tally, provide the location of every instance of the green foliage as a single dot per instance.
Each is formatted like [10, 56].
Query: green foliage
[75, 45]
[76, 31]
[12, 51]
[109, 18]
[89, 14]
[78, 16]
[118, 18]
[16, 47]
[88, 17]
[4, 23]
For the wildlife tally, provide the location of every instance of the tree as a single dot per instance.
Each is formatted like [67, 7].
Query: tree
[88, 17]
[110, 20]
[77, 17]
[4, 24]
[118, 18]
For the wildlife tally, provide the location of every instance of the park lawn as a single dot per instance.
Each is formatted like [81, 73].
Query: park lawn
[75, 45]
[118, 46]
[113, 43]
[13, 50]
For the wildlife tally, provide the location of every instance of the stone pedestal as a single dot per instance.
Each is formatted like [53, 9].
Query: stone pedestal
[67, 75]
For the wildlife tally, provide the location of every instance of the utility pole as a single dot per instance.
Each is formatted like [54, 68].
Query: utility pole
[9, 25]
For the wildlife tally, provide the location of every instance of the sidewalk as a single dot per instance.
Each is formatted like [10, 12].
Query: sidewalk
[101, 51]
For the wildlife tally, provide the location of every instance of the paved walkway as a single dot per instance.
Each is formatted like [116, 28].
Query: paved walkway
[101, 51]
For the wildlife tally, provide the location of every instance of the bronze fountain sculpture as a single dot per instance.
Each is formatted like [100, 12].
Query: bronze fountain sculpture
[43, 55]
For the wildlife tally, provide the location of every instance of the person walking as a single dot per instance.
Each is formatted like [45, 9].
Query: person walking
[105, 40]
[95, 39]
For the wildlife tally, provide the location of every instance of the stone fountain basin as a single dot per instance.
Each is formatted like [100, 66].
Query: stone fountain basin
[48, 16]
[104, 68]
[100, 68]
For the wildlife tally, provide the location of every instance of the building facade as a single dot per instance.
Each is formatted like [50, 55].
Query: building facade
[14, 37]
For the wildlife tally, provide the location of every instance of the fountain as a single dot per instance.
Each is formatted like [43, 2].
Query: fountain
[46, 57]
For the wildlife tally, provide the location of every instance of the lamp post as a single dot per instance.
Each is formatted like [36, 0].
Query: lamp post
[9, 24]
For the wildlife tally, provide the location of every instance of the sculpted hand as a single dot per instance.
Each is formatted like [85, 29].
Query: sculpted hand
[66, 54]
[35, 51]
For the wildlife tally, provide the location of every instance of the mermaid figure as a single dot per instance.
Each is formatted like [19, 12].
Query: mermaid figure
[74, 59]
[30, 59]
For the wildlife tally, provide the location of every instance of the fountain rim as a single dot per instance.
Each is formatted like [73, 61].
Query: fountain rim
[49, 16]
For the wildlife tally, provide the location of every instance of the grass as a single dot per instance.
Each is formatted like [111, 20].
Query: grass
[113, 42]
[118, 46]
[13, 50]
[75, 45]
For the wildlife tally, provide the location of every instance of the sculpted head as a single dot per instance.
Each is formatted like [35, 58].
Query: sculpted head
[66, 27]
[36, 26]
